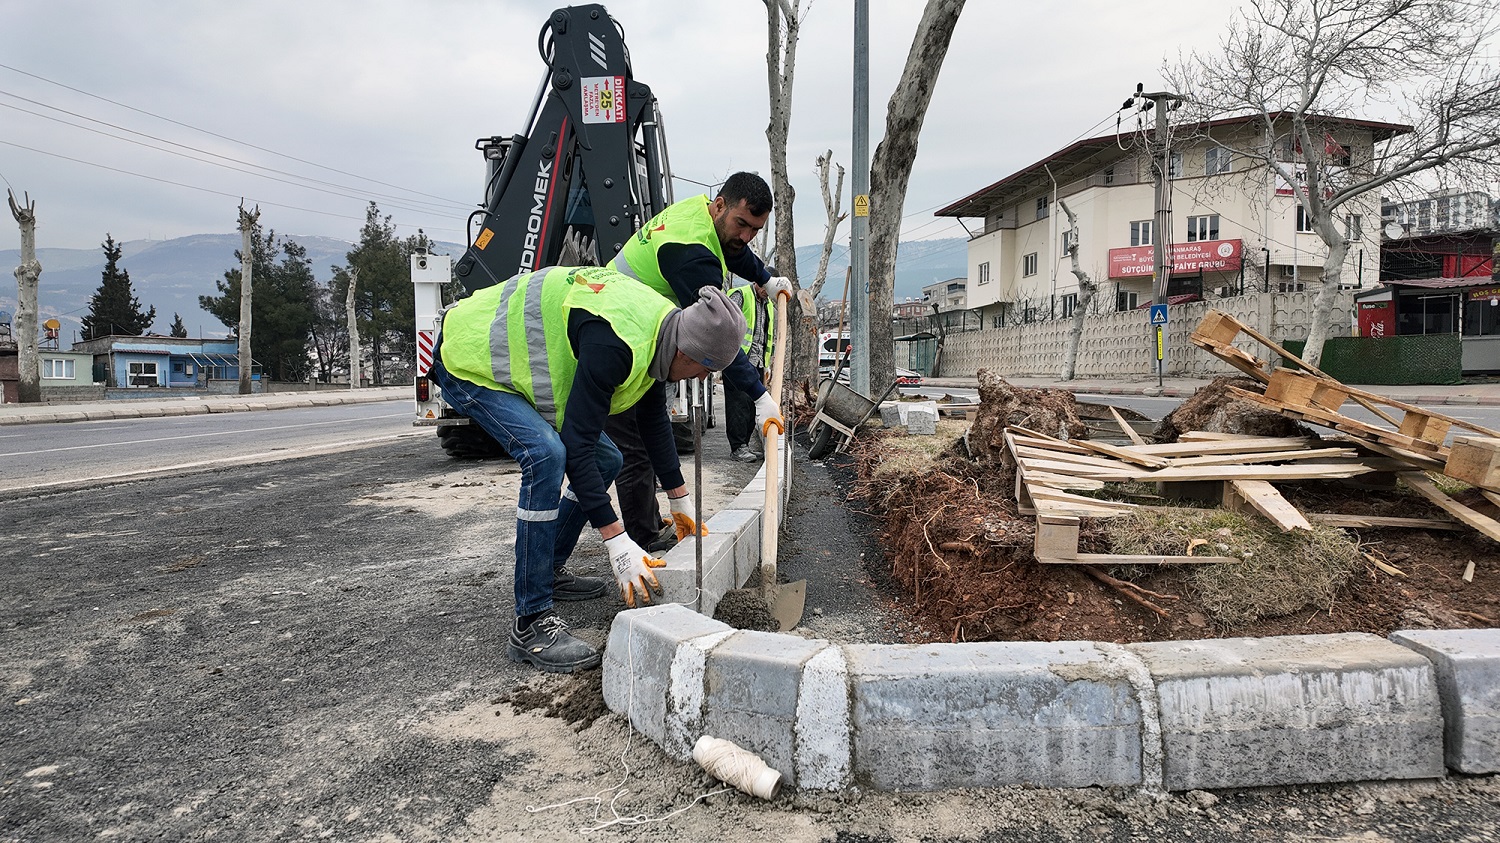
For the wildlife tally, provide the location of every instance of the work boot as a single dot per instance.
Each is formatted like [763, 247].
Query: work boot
[744, 454]
[568, 586]
[548, 645]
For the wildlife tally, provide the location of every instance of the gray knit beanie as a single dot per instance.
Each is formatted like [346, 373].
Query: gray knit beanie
[710, 330]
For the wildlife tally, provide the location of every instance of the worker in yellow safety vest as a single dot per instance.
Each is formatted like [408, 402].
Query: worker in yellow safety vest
[692, 244]
[540, 362]
[739, 407]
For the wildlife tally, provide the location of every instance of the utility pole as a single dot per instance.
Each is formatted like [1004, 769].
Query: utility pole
[859, 232]
[28, 274]
[1160, 153]
[247, 260]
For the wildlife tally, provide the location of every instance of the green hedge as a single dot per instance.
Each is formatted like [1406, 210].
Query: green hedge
[1416, 359]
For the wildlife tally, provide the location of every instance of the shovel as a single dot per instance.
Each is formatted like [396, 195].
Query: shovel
[785, 602]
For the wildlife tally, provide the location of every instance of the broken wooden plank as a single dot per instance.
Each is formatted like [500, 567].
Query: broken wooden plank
[1299, 471]
[1128, 454]
[1048, 444]
[1121, 559]
[1088, 459]
[1126, 428]
[1062, 481]
[1079, 469]
[1414, 459]
[1475, 460]
[1267, 456]
[1358, 522]
[1059, 495]
[1265, 499]
[1424, 486]
[1056, 537]
[1227, 446]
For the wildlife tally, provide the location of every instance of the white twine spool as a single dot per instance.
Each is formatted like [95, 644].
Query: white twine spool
[736, 766]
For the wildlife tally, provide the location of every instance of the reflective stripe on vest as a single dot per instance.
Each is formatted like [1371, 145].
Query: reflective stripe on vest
[745, 295]
[688, 222]
[514, 336]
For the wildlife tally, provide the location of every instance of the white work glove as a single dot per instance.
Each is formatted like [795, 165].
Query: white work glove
[632, 567]
[779, 284]
[767, 413]
[683, 519]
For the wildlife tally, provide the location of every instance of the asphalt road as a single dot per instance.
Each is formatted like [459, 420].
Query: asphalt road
[63, 455]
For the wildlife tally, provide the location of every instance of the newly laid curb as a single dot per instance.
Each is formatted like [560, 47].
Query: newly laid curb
[1173, 715]
[146, 408]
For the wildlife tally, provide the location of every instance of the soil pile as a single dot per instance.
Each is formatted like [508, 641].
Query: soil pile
[1214, 408]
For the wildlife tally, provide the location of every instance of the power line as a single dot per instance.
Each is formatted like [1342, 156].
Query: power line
[209, 190]
[360, 195]
[224, 137]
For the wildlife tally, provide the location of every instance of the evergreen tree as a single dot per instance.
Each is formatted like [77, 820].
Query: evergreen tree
[383, 297]
[179, 330]
[283, 309]
[114, 309]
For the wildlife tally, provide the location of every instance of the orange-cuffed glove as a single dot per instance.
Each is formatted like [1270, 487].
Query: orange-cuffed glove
[632, 567]
[683, 519]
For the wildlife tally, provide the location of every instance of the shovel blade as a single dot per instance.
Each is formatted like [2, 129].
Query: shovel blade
[788, 602]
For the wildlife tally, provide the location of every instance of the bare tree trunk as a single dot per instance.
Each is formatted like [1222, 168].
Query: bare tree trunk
[804, 346]
[353, 329]
[782, 27]
[1086, 290]
[28, 275]
[247, 262]
[891, 170]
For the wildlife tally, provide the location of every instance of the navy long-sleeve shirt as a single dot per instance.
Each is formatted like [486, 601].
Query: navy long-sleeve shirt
[603, 365]
[689, 267]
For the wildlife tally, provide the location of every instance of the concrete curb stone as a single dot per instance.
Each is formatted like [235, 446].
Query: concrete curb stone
[1467, 662]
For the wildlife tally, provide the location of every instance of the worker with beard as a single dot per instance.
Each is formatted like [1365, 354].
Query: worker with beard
[692, 244]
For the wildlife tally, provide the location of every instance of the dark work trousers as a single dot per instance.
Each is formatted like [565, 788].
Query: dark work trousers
[739, 416]
[636, 483]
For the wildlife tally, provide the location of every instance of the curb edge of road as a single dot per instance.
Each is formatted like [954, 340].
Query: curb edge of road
[156, 408]
[829, 716]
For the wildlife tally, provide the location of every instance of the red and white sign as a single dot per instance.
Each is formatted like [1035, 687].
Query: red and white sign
[424, 353]
[1207, 255]
[1377, 319]
[603, 99]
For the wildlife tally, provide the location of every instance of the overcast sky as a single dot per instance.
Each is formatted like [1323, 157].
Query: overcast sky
[397, 92]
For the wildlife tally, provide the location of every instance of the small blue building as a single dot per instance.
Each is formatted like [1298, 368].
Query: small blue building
[165, 362]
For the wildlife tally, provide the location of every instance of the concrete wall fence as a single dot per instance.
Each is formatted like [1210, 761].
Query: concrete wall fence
[1172, 715]
[1120, 344]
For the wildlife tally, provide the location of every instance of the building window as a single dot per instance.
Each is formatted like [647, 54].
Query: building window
[1067, 242]
[1354, 227]
[143, 373]
[1140, 233]
[1028, 265]
[1203, 228]
[1069, 304]
[1215, 161]
[1109, 175]
[1125, 300]
[984, 273]
[57, 368]
[1043, 208]
[1174, 165]
[1304, 220]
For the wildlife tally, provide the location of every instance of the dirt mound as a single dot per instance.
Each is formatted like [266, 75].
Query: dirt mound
[577, 699]
[1213, 408]
[1050, 411]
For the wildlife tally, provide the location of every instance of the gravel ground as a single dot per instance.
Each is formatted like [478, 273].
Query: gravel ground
[313, 650]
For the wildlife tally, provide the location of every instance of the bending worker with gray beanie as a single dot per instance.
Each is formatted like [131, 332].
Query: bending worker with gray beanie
[540, 362]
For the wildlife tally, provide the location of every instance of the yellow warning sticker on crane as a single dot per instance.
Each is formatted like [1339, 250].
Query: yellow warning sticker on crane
[484, 239]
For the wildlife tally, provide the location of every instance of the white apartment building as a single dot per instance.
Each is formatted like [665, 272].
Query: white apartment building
[1235, 226]
[1443, 211]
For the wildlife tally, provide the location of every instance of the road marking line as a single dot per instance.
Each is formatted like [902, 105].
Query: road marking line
[196, 435]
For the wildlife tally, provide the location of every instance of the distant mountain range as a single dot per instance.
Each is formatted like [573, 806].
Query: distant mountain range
[170, 275]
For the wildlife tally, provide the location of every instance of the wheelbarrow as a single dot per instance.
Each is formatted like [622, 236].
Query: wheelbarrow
[840, 412]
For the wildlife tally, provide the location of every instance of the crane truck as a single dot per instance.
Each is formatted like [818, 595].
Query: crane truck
[588, 169]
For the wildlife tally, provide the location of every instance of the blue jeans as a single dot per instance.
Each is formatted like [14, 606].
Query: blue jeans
[548, 520]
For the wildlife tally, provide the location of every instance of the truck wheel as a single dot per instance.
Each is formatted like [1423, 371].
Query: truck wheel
[822, 443]
[470, 442]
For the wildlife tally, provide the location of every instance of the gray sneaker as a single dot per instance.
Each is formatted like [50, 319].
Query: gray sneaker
[744, 454]
[547, 644]
[568, 586]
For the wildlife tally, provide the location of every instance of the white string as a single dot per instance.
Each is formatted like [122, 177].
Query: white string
[598, 798]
